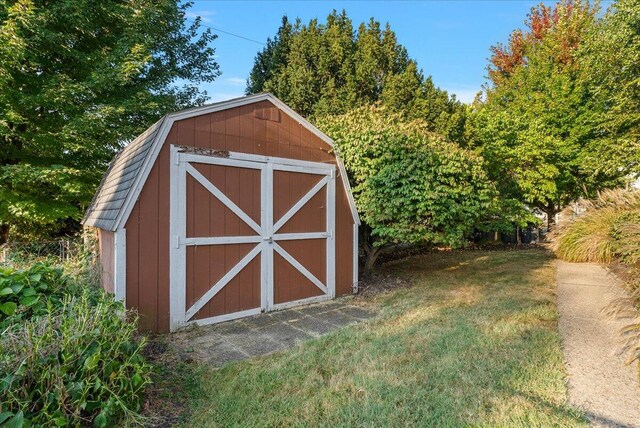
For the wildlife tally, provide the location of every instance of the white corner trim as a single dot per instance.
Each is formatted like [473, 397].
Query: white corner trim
[170, 119]
[355, 258]
[177, 252]
[120, 264]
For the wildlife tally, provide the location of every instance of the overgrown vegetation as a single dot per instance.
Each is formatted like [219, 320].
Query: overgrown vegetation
[80, 362]
[69, 354]
[474, 342]
[26, 293]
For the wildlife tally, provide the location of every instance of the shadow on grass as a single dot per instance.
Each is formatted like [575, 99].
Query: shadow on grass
[473, 342]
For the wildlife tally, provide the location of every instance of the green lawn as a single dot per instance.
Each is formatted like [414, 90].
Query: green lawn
[473, 343]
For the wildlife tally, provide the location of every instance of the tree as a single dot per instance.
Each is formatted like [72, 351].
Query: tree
[534, 128]
[328, 69]
[270, 61]
[611, 68]
[410, 185]
[78, 79]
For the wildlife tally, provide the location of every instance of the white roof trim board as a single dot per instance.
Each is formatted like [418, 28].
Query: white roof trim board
[123, 182]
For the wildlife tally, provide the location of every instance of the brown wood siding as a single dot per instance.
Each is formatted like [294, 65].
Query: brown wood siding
[289, 283]
[237, 129]
[106, 245]
[208, 217]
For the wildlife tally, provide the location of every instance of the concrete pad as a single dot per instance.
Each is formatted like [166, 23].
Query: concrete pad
[285, 334]
[261, 320]
[600, 383]
[255, 343]
[321, 307]
[234, 327]
[336, 318]
[224, 353]
[312, 325]
[287, 315]
[266, 333]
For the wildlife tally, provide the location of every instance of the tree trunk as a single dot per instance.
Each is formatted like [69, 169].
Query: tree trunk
[551, 217]
[4, 233]
[518, 238]
[372, 256]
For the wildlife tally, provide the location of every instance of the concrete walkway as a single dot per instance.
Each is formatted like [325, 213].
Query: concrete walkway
[266, 333]
[599, 381]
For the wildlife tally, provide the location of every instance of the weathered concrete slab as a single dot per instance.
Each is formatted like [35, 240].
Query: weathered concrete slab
[266, 333]
[599, 381]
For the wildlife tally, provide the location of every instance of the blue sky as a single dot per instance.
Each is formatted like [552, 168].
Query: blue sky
[449, 39]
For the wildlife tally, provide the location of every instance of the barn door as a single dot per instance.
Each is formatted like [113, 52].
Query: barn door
[250, 234]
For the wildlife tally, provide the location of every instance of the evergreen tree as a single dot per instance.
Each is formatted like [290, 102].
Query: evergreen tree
[320, 69]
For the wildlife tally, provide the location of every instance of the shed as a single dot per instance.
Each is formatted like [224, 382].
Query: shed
[225, 211]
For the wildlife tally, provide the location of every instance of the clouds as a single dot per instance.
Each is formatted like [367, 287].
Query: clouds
[205, 15]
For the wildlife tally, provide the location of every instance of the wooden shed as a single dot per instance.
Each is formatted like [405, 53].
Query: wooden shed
[225, 211]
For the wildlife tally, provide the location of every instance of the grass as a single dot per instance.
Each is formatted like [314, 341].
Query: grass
[606, 230]
[473, 343]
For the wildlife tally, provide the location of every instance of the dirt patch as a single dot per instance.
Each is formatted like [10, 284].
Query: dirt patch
[166, 400]
[379, 282]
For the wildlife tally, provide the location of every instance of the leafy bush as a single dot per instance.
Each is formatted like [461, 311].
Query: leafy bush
[77, 363]
[27, 292]
[410, 185]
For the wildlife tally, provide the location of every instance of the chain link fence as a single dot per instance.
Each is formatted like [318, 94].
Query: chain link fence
[59, 251]
[77, 256]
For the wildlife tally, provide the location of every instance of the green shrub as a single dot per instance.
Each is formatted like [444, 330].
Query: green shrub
[27, 292]
[75, 364]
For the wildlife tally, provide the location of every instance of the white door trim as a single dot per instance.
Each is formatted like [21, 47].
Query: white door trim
[222, 198]
[222, 282]
[265, 240]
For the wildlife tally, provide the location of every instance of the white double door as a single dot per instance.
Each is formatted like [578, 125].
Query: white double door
[249, 233]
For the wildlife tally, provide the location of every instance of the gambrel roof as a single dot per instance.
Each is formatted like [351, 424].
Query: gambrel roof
[128, 171]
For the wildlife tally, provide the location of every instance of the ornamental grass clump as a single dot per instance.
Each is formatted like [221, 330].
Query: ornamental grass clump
[604, 230]
[78, 363]
[608, 230]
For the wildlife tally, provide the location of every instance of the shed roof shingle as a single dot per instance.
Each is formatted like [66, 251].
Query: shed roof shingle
[118, 180]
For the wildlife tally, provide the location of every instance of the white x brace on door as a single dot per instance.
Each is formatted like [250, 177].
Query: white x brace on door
[266, 236]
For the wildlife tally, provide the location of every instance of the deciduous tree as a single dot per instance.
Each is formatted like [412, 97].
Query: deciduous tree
[78, 78]
[535, 128]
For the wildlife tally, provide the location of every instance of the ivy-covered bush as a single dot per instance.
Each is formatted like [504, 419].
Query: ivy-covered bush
[78, 363]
